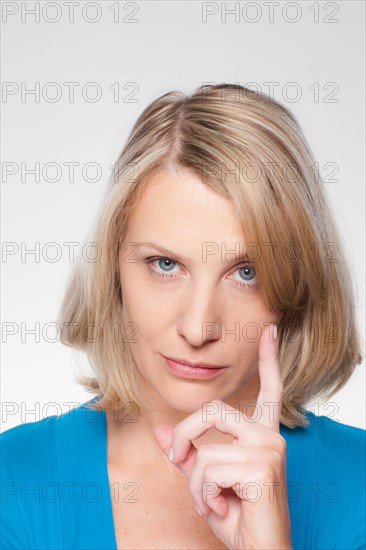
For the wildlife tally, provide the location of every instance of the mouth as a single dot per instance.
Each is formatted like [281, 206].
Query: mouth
[186, 363]
[183, 369]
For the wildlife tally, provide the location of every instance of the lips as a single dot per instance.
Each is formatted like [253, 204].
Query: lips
[195, 365]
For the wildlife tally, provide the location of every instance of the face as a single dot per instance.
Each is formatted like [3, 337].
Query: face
[189, 296]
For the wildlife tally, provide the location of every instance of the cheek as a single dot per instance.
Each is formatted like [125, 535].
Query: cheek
[249, 320]
[141, 303]
[251, 313]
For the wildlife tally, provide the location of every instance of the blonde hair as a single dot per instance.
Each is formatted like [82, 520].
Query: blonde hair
[251, 149]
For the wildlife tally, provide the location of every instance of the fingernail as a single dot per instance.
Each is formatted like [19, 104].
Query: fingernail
[274, 333]
[170, 453]
[198, 511]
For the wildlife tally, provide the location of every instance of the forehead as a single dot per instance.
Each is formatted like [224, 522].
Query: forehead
[173, 207]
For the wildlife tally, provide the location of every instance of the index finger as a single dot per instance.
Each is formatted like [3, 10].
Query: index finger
[269, 400]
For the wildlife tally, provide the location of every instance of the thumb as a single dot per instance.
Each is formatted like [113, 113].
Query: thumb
[164, 436]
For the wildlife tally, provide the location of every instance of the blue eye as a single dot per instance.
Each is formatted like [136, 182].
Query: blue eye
[167, 265]
[163, 262]
[248, 272]
[245, 269]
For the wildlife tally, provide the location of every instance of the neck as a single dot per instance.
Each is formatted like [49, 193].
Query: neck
[133, 437]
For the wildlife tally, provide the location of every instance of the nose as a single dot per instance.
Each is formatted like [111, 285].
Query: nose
[201, 314]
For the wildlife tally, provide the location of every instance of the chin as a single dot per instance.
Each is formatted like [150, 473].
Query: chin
[186, 402]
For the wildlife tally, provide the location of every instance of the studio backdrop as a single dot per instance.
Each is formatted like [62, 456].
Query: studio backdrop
[75, 77]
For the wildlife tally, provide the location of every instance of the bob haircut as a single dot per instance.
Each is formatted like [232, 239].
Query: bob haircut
[251, 149]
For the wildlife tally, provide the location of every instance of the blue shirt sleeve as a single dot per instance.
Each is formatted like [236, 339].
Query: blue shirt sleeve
[12, 532]
[342, 467]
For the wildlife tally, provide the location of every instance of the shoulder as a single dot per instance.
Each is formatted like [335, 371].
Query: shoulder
[338, 444]
[329, 450]
[327, 465]
[342, 480]
[29, 446]
[32, 455]
[26, 442]
[328, 434]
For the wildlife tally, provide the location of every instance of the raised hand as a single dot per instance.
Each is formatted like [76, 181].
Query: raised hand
[239, 487]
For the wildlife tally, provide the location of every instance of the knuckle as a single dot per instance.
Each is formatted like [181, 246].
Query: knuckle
[203, 452]
[280, 445]
[210, 472]
[276, 460]
[179, 430]
[260, 470]
[264, 472]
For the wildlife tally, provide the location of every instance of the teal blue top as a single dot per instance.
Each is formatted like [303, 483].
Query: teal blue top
[56, 495]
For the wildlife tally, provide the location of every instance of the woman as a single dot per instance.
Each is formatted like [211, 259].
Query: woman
[217, 306]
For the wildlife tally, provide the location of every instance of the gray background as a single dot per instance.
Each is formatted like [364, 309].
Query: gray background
[147, 49]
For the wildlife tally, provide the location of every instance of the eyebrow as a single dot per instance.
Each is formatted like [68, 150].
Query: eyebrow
[183, 259]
